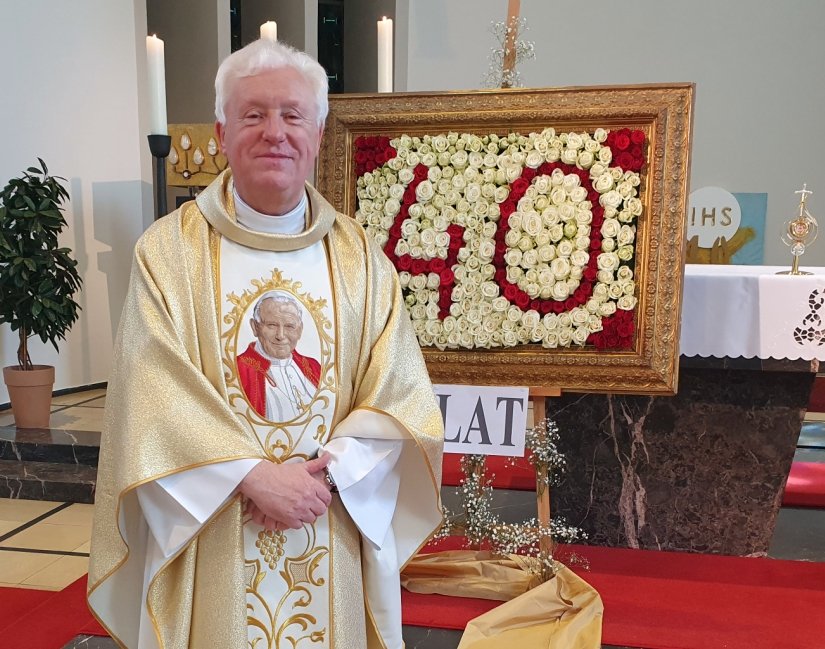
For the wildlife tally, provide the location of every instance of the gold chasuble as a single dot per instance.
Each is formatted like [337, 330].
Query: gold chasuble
[191, 387]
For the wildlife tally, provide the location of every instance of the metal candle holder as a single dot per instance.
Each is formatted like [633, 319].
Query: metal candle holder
[160, 145]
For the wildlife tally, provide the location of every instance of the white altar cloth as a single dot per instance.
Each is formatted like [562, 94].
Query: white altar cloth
[750, 311]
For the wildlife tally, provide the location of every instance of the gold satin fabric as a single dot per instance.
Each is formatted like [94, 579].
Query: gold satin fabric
[562, 613]
[169, 338]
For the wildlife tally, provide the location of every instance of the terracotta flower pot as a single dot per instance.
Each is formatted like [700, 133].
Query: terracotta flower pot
[31, 394]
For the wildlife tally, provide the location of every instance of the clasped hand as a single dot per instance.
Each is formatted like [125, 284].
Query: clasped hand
[285, 496]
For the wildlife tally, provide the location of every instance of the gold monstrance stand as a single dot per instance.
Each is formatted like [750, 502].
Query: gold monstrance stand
[799, 233]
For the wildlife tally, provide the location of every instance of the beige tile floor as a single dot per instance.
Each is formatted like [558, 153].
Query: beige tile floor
[42, 548]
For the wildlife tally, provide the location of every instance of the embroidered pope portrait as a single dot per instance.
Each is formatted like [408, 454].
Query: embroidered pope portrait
[279, 382]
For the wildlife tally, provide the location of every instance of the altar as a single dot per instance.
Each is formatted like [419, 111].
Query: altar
[704, 470]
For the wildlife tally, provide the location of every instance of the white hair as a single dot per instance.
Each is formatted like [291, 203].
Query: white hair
[265, 54]
[281, 299]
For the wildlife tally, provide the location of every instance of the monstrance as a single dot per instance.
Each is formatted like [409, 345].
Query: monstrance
[799, 233]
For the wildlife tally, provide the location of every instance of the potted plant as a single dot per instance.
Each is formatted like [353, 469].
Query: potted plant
[38, 280]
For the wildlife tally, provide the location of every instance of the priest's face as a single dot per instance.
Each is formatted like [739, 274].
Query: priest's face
[271, 138]
[278, 330]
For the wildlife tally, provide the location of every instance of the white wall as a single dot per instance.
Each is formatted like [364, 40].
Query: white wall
[757, 64]
[73, 79]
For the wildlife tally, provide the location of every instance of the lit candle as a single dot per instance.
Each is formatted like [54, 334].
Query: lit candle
[157, 85]
[269, 30]
[385, 55]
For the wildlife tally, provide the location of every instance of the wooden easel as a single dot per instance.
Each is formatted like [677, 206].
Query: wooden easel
[537, 398]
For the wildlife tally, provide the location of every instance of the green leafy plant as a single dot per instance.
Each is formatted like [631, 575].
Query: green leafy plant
[38, 279]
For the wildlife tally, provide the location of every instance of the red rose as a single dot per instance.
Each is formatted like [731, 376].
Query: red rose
[383, 141]
[558, 307]
[595, 243]
[622, 142]
[420, 172]
[522, 300]
[637, 137]
[611, 340]
[501, 276]
[404, 212]
[360, 157]
[359, 141]
[625, 160]
[569, 304]
[507, 208]
[593, 196]
[437, 265]
[454, 230]
[518, 187]
[419, 266]
[510, 292]
[535, 305]
[395, 230]
[546, 169]
[590, 273]
[545, 307]
[611, 139]
[409, 194]
[528, 174]
[625, 328]
[404, 262]
[447, 277]
[636, 151]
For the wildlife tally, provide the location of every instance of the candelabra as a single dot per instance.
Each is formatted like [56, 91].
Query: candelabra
[160, 145]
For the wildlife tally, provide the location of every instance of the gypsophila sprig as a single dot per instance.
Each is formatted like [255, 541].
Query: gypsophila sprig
[550, 464]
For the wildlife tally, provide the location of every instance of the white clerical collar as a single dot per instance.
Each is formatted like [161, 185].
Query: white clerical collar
[276, 362]
[293, 222]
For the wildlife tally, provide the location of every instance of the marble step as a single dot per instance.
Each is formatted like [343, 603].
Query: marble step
[54, 446]
[60, 482]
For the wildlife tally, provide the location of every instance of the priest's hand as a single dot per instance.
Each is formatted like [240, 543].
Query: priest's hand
[287, 495]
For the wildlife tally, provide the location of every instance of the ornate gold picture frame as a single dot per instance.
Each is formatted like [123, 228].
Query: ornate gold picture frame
[659, 119]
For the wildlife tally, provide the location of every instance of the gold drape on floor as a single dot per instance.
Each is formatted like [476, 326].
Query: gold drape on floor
[562, 613]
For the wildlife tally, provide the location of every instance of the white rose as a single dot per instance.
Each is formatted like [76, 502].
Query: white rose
[564, 321]
[567, 212]
[424, 192]
[614, 291]
[582, 241]
[532, 223]
[608, 261]
[625, 253]
[513, 313]
[513, 257]
[569, 156]
[607, 308]
[556, 232]
[510, 339]
[579, 258]
[547, 252]
[564, 248]
[578, 194]
[578, 316]
[529, 259]
[585, 160]
[429, 159]
[626, 235]
[608, 245]
[501, 193]
[580, 334]
[624, 274]
[634, 205]
[550, 215]
[534, 159]
[594, 323]
[408, 228]
[459, 159]
[560, 268]
[605, 155]
[610, 199]
[626, 302]
[629, 287]
[604, 183]
[574, 141]
[605, 277]
[565, 337]
[610, 228]
[486, 250]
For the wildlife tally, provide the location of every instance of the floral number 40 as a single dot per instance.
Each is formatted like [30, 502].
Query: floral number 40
[501, 241]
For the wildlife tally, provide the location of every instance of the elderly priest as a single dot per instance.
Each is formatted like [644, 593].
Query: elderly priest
[218, 522]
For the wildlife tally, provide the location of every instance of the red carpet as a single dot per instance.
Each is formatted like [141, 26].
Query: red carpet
[655, 600]
[806, 485]
[667, 600]
[36, 619]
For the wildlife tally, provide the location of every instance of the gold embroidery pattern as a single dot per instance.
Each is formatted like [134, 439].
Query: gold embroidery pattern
[281, 439]
[291, 623]
[271, 545]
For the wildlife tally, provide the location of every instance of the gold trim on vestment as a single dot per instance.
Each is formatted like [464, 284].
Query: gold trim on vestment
[225, 221]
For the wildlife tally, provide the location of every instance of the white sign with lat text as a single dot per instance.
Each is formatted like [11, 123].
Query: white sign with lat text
[483, 420]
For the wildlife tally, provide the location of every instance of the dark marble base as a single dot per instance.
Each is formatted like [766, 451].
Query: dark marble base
[702, 471]
[47, 481]
[44, 445]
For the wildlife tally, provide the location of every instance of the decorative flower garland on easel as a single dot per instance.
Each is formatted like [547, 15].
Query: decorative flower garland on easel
[502, 241]
[483, 528]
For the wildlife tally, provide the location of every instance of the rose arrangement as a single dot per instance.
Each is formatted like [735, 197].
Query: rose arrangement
[501, 241]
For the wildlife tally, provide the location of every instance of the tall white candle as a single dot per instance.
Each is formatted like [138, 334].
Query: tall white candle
[269, 30]
[157, 85]
[385, 55]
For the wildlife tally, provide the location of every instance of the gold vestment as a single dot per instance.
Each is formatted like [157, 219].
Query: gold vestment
[167, 412]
